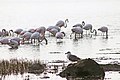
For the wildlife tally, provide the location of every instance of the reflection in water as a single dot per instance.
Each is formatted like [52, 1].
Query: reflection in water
[36, 48]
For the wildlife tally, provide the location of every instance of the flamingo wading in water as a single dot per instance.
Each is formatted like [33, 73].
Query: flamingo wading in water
[4, 33]
[88, 27]
[60, 35]
[62, 23]
[77, 30]
[38, 36]
[104, 30]
[13, 44]
[78, 25]
[18, 31]
[26, 37]
[4, 40]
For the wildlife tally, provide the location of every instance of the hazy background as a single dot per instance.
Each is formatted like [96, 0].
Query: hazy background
[35, 13]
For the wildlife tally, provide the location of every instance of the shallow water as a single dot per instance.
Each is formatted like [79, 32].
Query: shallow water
[87, 47]
[109, 76]
[32, 14]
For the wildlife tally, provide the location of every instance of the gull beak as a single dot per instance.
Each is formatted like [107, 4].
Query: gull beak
[66, 53]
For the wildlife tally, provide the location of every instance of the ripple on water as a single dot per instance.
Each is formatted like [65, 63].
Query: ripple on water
[55, 52]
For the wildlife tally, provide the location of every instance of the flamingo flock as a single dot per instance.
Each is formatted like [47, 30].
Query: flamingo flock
[14, 38]
[78, 29]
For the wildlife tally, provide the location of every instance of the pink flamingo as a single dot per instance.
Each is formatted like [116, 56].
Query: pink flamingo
[62, 23]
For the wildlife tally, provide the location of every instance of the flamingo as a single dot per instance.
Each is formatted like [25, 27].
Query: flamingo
[38, 36]
[89, 27]
[5, 32]
[71, 57]
[62, 23]
[53, 31]
[104, 30]
[18, 31]
[35, 35]
[60, 35]
[77, 30]
[31, 30]
[26, 36]
[53, 27]
[23, 32]
[4, 40]
[13, 44]
[16, 39]
[41, 30]
[78, 25]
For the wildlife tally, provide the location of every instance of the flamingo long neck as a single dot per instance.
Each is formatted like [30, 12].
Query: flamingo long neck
[63, 33]
[66, 23]
[43, 38]
[3, 31]
[94, 30]
[83, 23]
[11, 32]
[46, 40]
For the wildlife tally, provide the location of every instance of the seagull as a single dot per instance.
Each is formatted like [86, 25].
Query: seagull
[71, 57]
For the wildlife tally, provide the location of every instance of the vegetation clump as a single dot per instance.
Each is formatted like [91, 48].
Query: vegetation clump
[110, 67]
[36, 68]
[16, 66]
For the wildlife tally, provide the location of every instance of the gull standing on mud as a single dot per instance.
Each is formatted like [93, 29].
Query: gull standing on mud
[71, 57]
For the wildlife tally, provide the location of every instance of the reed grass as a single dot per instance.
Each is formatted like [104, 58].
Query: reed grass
[16, 66]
